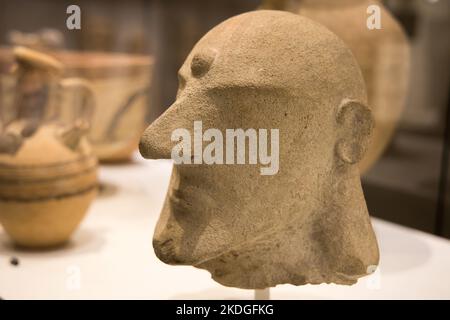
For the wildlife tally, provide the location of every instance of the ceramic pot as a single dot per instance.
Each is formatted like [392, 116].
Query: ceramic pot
[121, 85]
[33, 89]
[48, 172]
[46, 188]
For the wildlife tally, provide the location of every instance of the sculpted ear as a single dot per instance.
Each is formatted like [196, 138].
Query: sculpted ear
[355, 124]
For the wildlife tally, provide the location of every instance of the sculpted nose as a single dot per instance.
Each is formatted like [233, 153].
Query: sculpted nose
[155, 143]
[151, 148]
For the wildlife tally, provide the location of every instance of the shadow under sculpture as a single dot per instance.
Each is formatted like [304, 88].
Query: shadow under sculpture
[309, 222]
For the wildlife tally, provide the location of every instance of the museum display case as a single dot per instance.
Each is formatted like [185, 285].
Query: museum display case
[197, 149]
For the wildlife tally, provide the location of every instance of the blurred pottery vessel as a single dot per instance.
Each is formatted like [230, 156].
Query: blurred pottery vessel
[46, 188]
[48, 172]
[121, 85]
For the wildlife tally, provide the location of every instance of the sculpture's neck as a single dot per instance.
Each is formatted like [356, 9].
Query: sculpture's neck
[321, 246]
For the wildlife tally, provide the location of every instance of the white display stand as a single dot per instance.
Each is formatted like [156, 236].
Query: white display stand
[111, 256]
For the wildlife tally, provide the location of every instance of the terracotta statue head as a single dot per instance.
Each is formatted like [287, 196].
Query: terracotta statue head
[306, 221]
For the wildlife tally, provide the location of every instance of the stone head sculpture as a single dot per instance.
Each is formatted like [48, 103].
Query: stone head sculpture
[302, 220]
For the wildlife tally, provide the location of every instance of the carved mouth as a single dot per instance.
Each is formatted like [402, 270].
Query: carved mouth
[165, 251]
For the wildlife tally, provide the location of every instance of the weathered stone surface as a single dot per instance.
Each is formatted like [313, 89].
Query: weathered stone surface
[382, 54]
[309, 222]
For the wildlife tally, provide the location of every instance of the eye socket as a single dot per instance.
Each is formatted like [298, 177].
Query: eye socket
[202, 62]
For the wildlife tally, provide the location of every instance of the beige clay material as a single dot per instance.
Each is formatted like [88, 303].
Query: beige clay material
[44, 223]
[46, 188]
[33, 93]
[383, 55]
[309, 222]
[48, 173]
[120, 84]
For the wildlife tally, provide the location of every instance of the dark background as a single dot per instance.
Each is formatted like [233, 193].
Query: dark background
[409, 184]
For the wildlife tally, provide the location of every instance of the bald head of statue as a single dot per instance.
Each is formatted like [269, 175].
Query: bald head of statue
[307, 222]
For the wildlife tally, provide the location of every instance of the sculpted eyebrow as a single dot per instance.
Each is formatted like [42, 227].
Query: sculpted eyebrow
[247, 89]
[181, 77]
[181, 80]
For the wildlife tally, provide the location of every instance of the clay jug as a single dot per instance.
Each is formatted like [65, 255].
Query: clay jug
[48, 172]
[121, 84]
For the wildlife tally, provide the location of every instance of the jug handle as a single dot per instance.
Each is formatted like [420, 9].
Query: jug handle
[86, 89]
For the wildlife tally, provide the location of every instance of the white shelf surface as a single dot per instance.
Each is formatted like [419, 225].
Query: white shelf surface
[111, 256]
